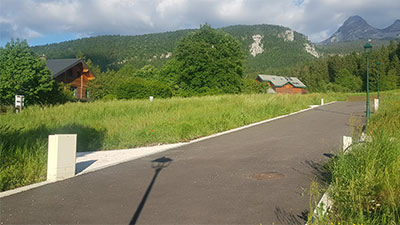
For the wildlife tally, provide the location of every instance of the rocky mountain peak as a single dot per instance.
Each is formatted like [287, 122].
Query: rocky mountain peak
[356, 28]
[355, 21]
[394, 27]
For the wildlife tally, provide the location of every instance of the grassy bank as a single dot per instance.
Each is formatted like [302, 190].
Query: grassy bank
[365, 184]
[129, 123]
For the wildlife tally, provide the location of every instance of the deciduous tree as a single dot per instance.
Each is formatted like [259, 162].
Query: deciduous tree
[23, 72]
[210, 61]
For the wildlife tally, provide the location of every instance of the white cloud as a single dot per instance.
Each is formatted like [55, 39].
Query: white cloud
[316, 18]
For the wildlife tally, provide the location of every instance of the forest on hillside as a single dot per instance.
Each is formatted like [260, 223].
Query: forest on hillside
[114, 52]
[347, 72]
[347, 47]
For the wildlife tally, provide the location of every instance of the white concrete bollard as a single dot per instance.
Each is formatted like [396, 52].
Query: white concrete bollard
[347, 142]
[376, 104]
[61, 158]
[322, 101]
[151, 98]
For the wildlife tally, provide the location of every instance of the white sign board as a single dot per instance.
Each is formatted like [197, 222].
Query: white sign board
[19, 101]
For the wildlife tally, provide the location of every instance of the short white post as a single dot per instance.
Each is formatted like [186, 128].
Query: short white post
[322, 101]
[347, 142]
[151, 98]
[376, 104]
[61, 156]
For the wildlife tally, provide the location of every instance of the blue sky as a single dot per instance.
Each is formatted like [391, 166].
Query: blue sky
[52, 21]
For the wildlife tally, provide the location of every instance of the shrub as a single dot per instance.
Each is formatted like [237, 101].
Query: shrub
[109, 97]
[136, 88]
[251, 86]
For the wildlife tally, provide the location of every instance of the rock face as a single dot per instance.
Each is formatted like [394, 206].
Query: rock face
[287, 36]
[311, 49]
[356, 28]
[257, 47]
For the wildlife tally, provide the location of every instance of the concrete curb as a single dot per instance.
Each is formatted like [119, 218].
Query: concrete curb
[161, 148]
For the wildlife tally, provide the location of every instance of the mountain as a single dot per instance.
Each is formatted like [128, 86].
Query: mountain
[266, 47]
[395, 27]
[356, 28]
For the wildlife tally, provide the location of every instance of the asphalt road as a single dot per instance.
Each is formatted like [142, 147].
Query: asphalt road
[259, 175]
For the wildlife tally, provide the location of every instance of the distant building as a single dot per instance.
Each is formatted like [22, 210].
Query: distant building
[74, 72]
[283, 85]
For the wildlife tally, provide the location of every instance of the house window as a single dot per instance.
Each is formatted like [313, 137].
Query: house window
[75, 91]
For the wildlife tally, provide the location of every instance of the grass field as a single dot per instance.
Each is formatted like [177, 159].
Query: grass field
[365, 183]
[129, 123]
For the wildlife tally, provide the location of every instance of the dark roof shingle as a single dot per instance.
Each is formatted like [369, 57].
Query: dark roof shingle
[59, 66]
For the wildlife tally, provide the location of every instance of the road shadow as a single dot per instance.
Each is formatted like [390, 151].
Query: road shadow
[81, 166]
[157, 165]
[329, 155]
[321, 172]
[288, 218]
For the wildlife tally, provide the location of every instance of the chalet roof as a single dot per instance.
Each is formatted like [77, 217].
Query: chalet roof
[280, 81]
[59, 66]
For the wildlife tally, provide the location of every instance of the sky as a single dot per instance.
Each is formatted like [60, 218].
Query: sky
[51, 21]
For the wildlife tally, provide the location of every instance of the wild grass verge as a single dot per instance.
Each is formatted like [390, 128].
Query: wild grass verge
[130, 123]
[365, 183]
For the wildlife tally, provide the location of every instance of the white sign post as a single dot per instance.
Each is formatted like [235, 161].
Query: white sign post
[19, 103]
[376, 104]
[347, 142]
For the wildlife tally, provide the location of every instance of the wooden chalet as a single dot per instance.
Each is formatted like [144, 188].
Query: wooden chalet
[74, 72]
[283, 85]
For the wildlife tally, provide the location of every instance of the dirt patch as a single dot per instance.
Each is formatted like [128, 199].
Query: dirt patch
[360, 98]
[268, 176]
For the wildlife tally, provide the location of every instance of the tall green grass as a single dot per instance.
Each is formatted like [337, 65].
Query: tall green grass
[129, 123]
[365, 183]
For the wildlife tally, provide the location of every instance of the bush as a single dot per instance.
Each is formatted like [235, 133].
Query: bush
[333, 87]
[251, 86]
[109, 97]
[136, 88]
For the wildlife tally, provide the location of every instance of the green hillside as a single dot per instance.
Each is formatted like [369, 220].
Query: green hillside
[348, 47]
[113, 52]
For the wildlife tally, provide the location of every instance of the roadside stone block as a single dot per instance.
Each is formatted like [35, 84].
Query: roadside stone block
[61, 156]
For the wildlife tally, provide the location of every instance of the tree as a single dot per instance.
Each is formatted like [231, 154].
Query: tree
[335, 63]
[23, 72]
[349, 81]
[148, 72]
[390, 81]
[210, 62]
[126, 71]
[104, 84]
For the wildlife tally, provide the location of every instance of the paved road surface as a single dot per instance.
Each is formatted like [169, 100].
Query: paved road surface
[257, 175]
